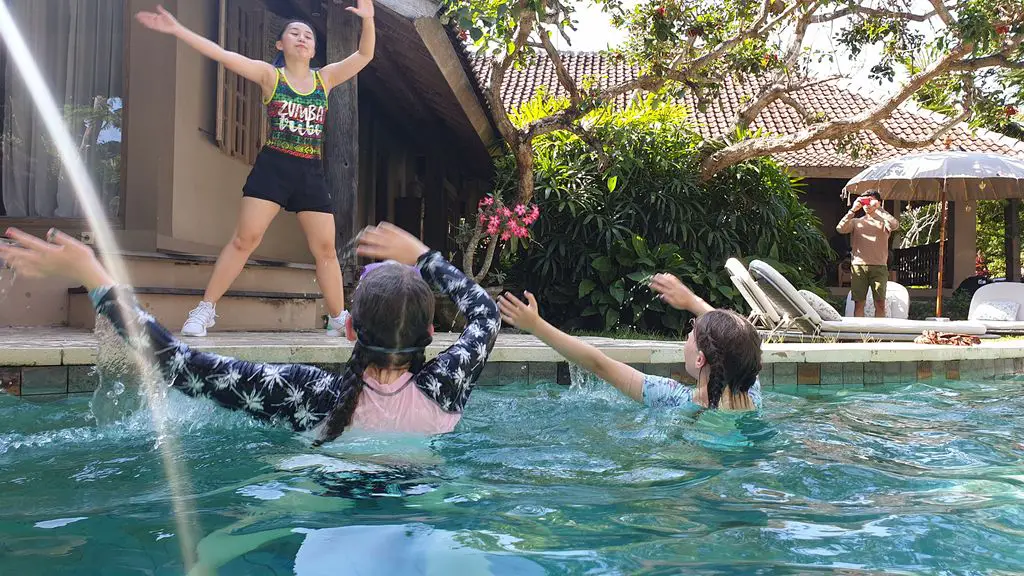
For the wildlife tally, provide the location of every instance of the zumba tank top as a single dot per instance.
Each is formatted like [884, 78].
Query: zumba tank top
[296, 120]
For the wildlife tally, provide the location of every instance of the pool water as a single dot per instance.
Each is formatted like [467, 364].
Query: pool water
[539, 479]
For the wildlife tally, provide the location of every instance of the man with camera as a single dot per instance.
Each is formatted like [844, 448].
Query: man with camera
[870, 246]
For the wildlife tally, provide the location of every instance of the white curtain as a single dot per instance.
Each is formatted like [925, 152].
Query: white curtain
[79, 45]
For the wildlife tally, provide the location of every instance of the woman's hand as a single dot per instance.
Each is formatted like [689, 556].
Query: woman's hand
[62, 256]
[363, 9]
[161, 20]
[526, 317]
[389, 242]
[678, 295]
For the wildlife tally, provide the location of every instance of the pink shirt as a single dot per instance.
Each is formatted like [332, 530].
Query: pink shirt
[400, 407]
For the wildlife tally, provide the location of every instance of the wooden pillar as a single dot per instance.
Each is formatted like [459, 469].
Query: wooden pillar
[341, 142]
[963, 235]
[435, 228]
[1012, 240]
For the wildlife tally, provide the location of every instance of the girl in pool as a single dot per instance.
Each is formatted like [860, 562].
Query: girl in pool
[387, 384]
[722, 353]
[288, 172]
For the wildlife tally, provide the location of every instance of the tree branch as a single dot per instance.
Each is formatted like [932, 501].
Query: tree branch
[492, 243]
[604, 161]
[887, 136]
[524, 162]
[993, 61]
[798, 36]
[746, 116]
[652, 82]
[942, 11]
[867, 10]
[775, 92]
[800, 109]
[564, 78]
[747, 149]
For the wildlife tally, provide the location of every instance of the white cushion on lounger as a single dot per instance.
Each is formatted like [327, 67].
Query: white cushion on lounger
[808, 320]
[897, 326]
[997, 292]
[999, 326]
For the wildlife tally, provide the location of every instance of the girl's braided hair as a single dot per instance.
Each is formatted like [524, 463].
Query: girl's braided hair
[732, 347]
[392, 311]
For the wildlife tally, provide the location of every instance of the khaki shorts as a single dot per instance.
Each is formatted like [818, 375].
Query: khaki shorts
[864, 277]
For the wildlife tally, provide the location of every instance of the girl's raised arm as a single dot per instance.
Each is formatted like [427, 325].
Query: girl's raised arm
[256, 70]
[340, 72]
[526, 317]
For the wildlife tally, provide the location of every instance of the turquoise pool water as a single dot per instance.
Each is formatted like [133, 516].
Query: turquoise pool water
[537, 480]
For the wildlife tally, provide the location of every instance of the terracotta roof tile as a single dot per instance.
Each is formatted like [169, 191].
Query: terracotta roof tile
[521, 85]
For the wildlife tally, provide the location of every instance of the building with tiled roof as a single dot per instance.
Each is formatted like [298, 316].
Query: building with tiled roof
[825, 170]
[819, 160]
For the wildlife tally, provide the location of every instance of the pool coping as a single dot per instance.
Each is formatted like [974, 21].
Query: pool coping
[52, 363]
[72, 347]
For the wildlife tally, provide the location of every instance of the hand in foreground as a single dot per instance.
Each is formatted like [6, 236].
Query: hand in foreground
[161, 20]
[386, 241]
[62, 256]
[526, 317]
[675, 293]
[363, 9]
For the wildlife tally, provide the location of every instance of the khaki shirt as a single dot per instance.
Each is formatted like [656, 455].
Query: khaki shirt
[869, 237]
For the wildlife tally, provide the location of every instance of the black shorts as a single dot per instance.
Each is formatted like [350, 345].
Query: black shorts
[296, 184]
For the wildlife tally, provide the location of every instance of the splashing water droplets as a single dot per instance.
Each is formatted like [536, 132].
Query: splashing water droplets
[21, 58]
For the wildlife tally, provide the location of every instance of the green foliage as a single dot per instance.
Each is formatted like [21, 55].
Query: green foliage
[601, 235]
[989, 26]
[991, 234]
[955, 308]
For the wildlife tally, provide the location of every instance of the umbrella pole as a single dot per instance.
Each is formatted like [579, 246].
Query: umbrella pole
[942, 253]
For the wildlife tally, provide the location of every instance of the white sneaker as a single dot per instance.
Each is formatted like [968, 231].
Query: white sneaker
[336, 326]
[199, 319]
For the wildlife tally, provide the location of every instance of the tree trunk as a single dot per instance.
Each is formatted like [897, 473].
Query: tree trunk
[524, 160]
[341, 141]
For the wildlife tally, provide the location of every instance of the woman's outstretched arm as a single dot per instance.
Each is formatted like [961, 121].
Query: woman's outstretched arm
[257, 71]
[340, 72]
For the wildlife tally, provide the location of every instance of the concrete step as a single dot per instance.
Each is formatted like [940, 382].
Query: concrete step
[237, 311]
[187, 271]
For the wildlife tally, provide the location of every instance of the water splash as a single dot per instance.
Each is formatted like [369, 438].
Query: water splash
[114, 401]
[85, 192]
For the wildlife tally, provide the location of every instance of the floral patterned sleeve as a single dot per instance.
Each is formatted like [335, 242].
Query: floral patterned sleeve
[449, 378]
[302, 395]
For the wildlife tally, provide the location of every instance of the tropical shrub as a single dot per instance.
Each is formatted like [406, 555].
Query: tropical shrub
[609, 222]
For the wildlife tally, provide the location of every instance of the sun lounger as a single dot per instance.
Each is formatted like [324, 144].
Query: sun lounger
[798, 314]
[897, 302]
[762, 312]
[999, 299]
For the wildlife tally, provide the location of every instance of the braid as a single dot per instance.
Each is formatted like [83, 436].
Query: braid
[716, 378]
[351, 388]
[392, 311]
[732, 349]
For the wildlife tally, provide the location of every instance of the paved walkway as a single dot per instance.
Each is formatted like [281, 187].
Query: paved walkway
[57, 346]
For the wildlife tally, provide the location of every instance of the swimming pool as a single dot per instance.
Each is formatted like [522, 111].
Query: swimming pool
[537, 479]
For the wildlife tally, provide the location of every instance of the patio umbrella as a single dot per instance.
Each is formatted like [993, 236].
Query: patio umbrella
[941, 177]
